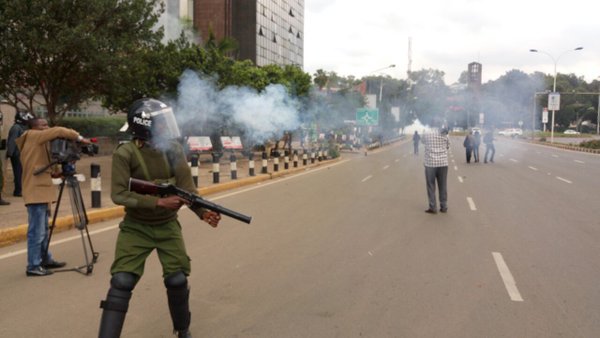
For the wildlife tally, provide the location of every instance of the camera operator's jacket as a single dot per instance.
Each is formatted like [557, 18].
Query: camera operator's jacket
[35, 154]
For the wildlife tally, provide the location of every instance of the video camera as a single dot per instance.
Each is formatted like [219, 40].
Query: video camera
[66, 153]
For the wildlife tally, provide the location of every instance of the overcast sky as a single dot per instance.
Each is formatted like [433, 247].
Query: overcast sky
[357, 37]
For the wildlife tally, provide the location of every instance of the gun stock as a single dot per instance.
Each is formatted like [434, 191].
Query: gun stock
[195, 201]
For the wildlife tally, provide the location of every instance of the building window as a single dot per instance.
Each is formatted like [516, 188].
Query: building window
[298, 35]
[260, 32]
[291, 13]
[291, 30]
[275, 38]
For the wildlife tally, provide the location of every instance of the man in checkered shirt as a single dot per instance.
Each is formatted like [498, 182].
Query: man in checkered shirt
[436, 143]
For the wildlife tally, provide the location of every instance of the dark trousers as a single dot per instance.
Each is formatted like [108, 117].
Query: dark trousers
[439, 175]
[489, 148]
[416, 146]
[476, 153]
[469, 151]
[15, 161]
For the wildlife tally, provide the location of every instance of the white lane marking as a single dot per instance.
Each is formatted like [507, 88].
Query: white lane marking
[397, 160]
[56, 242]
[387, 166]
[370, 253]
[455, 168]
[507, 278]
[513, 160]
[556, 156]
[533, 168]
[367, 178]
[563, 179]
[471, 204]
[460, 179]
[578, 161]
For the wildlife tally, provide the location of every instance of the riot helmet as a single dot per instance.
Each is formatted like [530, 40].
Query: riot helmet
[23, 117]
[152, 119]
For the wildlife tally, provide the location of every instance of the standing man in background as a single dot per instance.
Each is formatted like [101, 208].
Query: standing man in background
[416, 141]
[2, 202]
[488, 139]
[436, 143]
[12, 152]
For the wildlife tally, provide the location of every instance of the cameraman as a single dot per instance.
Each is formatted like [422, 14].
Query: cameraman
[38, 191]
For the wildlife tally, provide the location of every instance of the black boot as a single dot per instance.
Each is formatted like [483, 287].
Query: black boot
[179, 307]
[115, 308]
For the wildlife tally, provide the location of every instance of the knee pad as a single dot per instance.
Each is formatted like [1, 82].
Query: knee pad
[176, 280]
[125, 281]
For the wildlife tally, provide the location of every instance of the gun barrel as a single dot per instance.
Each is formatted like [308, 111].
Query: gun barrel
[222, 210]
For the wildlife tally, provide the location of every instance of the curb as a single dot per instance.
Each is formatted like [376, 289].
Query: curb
[19, 233]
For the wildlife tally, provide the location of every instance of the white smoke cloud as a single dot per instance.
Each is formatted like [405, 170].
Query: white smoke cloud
[261, 115]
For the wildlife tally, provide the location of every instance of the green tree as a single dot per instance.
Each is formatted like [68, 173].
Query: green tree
[69, 51]
[321, 78]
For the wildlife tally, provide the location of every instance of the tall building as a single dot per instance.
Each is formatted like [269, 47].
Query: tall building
[267, 31]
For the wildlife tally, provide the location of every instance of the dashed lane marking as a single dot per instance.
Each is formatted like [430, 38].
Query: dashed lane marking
[471, 203]
[507, 278]
[533, 168]
[578, 161]
[563, 179]
[460, 179]
[367, 178]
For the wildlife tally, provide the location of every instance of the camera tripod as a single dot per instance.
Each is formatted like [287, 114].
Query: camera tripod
[80, 221]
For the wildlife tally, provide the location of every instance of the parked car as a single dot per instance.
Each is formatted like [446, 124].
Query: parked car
[571, 132]
[511, 132]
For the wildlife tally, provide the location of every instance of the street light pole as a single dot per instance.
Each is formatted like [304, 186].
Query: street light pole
[554, 86]
[381, 82]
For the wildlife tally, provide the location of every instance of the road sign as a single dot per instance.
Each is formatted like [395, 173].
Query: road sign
[367, 117]
[545, 115]
[554, 101]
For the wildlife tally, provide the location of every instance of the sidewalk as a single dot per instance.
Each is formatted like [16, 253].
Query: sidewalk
[13, 217]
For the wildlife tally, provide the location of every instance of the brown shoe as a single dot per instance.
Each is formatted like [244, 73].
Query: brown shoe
[3, 202]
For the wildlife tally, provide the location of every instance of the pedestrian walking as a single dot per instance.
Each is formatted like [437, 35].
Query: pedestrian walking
[150, 221]
[488, 139]
[436, 143]
[416, 141]
[468, 144]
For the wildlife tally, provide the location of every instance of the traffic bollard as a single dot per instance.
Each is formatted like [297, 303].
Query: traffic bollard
[286, 160]
[194, 168]
[265, 163]
[251, 164]
[233, 166]
[296, 158]
[276, 161]
[215, 161]
[96, 186]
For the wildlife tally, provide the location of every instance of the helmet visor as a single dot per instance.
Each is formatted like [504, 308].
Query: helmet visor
[164, 125]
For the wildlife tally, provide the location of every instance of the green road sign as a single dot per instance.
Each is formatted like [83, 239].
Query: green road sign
[367, 117]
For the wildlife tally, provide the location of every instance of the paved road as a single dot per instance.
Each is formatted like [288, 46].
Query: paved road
[347, 251]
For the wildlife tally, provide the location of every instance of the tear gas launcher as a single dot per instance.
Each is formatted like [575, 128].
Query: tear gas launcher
[195, 202]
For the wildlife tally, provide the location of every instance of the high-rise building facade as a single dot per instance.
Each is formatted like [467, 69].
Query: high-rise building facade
[267, 31]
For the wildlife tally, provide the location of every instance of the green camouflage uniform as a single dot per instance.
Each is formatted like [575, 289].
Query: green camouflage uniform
[147, 227]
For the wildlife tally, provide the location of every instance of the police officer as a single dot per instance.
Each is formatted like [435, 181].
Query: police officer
[150, 222]
[22, 119]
